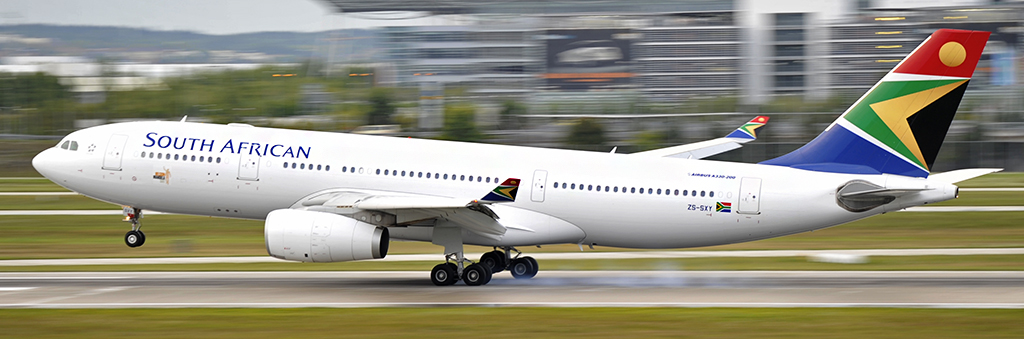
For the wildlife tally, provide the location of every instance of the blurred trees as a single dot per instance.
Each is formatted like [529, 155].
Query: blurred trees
[381, 107]
[460, 123]
[586, 134]
[509, 115]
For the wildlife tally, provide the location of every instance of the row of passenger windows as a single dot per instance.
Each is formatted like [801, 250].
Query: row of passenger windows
[309, 166]
[183, 157]
[623, 189]
[445, 176]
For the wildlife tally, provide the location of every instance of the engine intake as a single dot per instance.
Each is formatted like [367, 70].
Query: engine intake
[322, 237]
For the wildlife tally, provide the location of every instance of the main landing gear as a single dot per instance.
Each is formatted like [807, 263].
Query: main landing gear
[135, 237]
[476, 274]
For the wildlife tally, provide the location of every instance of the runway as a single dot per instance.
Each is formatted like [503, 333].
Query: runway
[905, 289]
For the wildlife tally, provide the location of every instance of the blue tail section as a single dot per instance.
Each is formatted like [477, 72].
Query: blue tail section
[840, 151]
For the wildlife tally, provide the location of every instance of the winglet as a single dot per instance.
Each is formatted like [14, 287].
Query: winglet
[505, 192]
[749, 130]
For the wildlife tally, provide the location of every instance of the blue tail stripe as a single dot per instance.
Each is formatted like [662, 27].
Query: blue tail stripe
[739, 135]
[840, 151]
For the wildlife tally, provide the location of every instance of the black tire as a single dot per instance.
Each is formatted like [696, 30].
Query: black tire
[521, 268]
[132, 239]
[495, 260]
[476, 275]
[142, 237]
[443, 275]
[536, 267]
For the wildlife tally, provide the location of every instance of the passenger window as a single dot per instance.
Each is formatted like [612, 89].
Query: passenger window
[463, 178]
[218, 160]
[403, 173]
[386, 172]
[344, 169]
[693, 192]
[488, 180]
[317, 167]
[65, 144]
[446, 176]
[327, 168]
[202, 158]
[590, 187]
[293, 164]
[419, 175]
[650, 191]
[479, 179]
[677, 192]
[632, 190]
[711, 194]
[286, 165]
[302, 166]
[684, 192]
[701, 194]
[74, 145]
[193, 158]
[573, 186]
[659, 191]
[159, 155]
[151, 155]
[616, 189]
[556, 183]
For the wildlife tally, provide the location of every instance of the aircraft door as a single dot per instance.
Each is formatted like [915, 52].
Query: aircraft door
[540, 179]
[249, 167]
[115, 151]
[750, 196]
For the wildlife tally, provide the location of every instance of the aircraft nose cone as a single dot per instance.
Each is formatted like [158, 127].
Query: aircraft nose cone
[43, 163]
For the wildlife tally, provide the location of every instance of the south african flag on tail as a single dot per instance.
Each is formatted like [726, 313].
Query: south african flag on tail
[724, 207]
[503, 193]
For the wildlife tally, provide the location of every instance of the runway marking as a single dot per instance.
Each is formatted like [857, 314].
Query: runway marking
[92, 292]
[70, 212]
[525, 304]
[38, 193]
[539, 256]
[997, 189]
[3, 277]
[964, 209]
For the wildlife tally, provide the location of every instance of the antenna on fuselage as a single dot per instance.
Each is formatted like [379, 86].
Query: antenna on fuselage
[183, 118]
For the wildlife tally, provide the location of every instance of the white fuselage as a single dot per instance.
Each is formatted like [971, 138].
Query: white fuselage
[253, 175]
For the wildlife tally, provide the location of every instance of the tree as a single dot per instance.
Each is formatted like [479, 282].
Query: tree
[587, 133]
[510, 110]
[381, 108]
[459, 123]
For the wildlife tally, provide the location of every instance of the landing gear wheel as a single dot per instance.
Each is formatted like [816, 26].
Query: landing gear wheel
[522, 268]
[443, 275]
[495, 260]
[476, 275]
[536, 267]
[134, 238]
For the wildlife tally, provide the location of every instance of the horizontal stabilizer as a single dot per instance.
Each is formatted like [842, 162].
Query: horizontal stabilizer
[707, 148]
[953, 177]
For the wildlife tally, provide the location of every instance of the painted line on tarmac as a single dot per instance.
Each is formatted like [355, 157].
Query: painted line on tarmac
[70, 212]
[964, 209]
[38, 193]
[523, 304]
[993, 189]
[539, 256]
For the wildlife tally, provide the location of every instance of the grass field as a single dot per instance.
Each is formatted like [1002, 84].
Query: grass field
[514, 323]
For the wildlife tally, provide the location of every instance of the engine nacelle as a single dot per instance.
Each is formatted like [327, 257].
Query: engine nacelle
[322, 237]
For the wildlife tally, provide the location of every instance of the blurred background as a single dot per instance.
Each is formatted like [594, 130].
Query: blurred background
[589, 75]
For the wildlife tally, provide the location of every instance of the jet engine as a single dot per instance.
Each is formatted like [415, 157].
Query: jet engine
[322, 237]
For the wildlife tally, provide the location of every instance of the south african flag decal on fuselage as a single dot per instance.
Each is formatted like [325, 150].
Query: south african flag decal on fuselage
[504, 192]
[724, 207]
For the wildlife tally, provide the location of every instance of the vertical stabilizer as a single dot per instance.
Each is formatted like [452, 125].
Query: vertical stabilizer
[898, 126]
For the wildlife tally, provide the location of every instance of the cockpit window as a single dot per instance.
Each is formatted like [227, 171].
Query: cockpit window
[65, 144]
[74, 145]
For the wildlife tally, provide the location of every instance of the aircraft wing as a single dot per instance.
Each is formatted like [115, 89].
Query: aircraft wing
[707, 148]
[388, 209]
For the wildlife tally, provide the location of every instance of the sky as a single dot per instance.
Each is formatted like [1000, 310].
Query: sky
[203, 16]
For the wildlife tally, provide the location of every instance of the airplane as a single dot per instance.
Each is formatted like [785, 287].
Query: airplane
[330, 197]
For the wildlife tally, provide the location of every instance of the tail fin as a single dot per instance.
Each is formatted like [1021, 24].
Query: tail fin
[504, 192]
[748, 131]
[898, 126]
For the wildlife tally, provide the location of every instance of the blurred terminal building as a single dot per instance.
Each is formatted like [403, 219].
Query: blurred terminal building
[672, 50]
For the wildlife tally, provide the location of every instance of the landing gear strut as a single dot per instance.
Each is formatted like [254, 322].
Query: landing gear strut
[135, 237]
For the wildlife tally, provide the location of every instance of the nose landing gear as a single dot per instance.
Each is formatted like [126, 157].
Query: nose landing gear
[135, 237]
